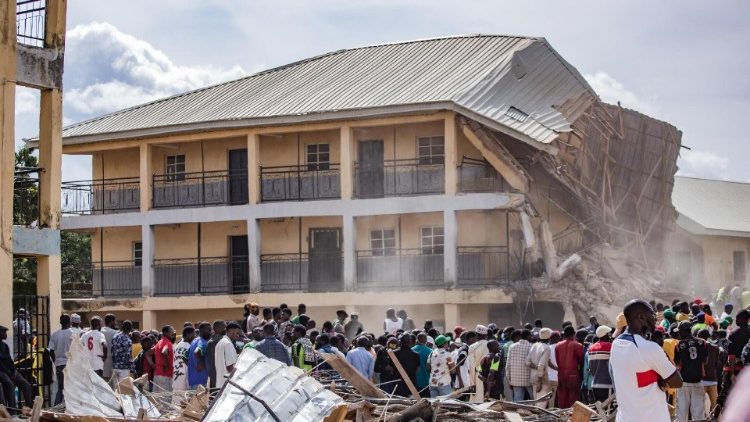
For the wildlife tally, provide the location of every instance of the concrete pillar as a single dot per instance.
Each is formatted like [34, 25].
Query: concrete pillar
[253, 254]
[450, 246]
[347, 162]
[148, 321]
[451, 155]
[48, 283]
[146, 176]
[7, 157]
[253, 168]
[147, 260]
[50, 157]
[452, 316]
[350, 253]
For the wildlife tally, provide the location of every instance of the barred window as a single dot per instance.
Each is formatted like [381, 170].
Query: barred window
[432, 240]
[431, 150]
[175, 167]
[318, 157]
[383, 242]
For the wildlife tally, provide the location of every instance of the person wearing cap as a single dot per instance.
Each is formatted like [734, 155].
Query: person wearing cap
[9, 376]
[538, 362]
[728, 308]
[354, 327]
[476, 352]
[599, 363]
[440, 364]
[75, 325]
[668, 318]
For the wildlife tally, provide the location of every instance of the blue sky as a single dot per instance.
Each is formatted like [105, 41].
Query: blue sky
[682, 61]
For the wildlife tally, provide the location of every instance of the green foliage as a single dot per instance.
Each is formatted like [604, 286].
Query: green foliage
[25, 189]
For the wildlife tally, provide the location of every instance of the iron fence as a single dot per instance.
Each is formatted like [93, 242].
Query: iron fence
[25, 200]
[201, 276]
[478, 176]
[31, 333]
[479, 266]
[200, 189]
[102, 279]
[30, 22]
[102, 196]
[398, 178]
[399, 268]
[306, 272]
[300, 183]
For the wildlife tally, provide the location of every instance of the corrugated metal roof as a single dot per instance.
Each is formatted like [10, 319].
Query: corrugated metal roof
[484, 75]
[712, 204]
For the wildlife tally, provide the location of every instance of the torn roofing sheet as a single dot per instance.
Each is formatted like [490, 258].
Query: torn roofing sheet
[292, 395]
[86, 393]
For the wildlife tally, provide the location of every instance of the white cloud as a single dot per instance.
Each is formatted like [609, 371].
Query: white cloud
[611, 91]
[704, 164]
[27, 100]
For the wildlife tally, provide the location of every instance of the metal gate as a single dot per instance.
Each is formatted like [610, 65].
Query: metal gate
[31, 332]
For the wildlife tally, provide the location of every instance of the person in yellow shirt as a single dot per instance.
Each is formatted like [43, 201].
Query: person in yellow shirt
[671, 338]
[136, 337]
[683, 314]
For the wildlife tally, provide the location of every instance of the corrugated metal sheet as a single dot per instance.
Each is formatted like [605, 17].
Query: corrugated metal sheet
[714, 204]
[484, 74]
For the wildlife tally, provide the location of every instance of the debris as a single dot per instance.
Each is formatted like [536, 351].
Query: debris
[362, 384]
[404, 376]
[86, 393]
[582, 413]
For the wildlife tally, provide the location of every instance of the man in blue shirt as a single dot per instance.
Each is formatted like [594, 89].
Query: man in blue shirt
[423, 373]
[272, 347]
[361, 359]
[197, 363]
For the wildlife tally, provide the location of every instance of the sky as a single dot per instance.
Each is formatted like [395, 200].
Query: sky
[679, 61]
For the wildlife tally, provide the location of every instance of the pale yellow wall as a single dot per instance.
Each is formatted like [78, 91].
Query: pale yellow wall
[180, 240]
[718, 254]
[466, 148]
[409, 237]
[405, 138]
[115, 164]
[117, 244]
[287, 150]
[214, 155]
[481, 228]
[282, 235]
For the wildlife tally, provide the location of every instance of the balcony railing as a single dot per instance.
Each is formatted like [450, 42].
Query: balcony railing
[316, 272]
[300, 183]
[102, 279]
[103, 196]
[399, 268]
[201, 276]
[200, 189]
[398, 178]
[478, 176]
[480, 266]
[25, 200]
[30, 22]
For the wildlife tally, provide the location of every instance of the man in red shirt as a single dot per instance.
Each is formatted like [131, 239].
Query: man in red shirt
[569, 356]
[163, 360]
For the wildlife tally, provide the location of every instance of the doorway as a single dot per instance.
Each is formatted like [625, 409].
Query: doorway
[238, 176]
[325, 260]
[371, 174]
[238, 265]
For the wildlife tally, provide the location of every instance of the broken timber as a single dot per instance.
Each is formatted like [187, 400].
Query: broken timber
[360, 383]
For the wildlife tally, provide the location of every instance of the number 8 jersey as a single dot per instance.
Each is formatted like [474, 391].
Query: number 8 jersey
[690, 355]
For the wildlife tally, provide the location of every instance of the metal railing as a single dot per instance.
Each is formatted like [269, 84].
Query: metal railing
[478, 176]
[102, 196]
[25, 200]
[102, 279]
[300, 183]
[399, 268]
[480, 266]
[30, 22]
[201, 276]
[316, 272]
[398, 178]
[200, 189]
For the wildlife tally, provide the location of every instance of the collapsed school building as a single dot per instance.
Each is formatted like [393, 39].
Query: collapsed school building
[465, 179]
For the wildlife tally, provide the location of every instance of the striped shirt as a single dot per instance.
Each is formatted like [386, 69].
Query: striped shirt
[519, 372]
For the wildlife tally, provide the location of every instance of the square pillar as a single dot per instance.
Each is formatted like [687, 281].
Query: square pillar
[350, 254]
[347, 162]
[146, 176]
[450, 246]
[253, 254]
[253, 169]
[452, 316]
[50, 157]
[148, 321]
[147, 260]
[451, 155]
[48, 283]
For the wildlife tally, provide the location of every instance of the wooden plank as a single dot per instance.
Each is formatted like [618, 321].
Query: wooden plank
[4, 412]
[512, 417]
[37, 409]
[412, 389]
[581, 413]
[360, 383]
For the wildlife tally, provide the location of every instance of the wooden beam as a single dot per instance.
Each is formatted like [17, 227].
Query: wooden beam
[348, 372]
[404, 376]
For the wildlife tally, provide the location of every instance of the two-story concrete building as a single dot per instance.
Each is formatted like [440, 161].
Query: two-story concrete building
[398, 175]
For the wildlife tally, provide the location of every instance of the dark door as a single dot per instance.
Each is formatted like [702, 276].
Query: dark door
[238, 265]
[238, 176]
[325, 260]
[370, 174]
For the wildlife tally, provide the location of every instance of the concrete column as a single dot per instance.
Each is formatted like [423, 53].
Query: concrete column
[347, 162]
[350, 254]
[7, 157]
[253, 254]
[450, 245]
[452, 316]
[253, 168]
[451, 155]
[146, 176]
[148, 321]
[147, 260]
[50, 157]
[48, 283]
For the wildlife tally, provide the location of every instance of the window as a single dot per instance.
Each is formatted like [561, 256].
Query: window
[137, 253]
[383, 242]
[318, 157]
[432, 240]
[739, 266]
[431, 150]
[175, 167]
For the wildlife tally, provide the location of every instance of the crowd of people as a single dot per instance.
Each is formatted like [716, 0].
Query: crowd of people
[682, 349]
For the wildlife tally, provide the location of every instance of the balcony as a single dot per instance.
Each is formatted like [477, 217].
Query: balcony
[480, 266]
[102, 279]
[25, 199]
[300, 183]
[200, 189]
[103, 196]
[479, 176]
[398, 178]
[406, 268]
[201, 276]
[30, 20]
[317, 272]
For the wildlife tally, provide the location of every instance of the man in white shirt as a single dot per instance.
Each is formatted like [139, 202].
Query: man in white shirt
[95, 345]
[476, 352]
[639, 367]
[109, 330]
[225, 355]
